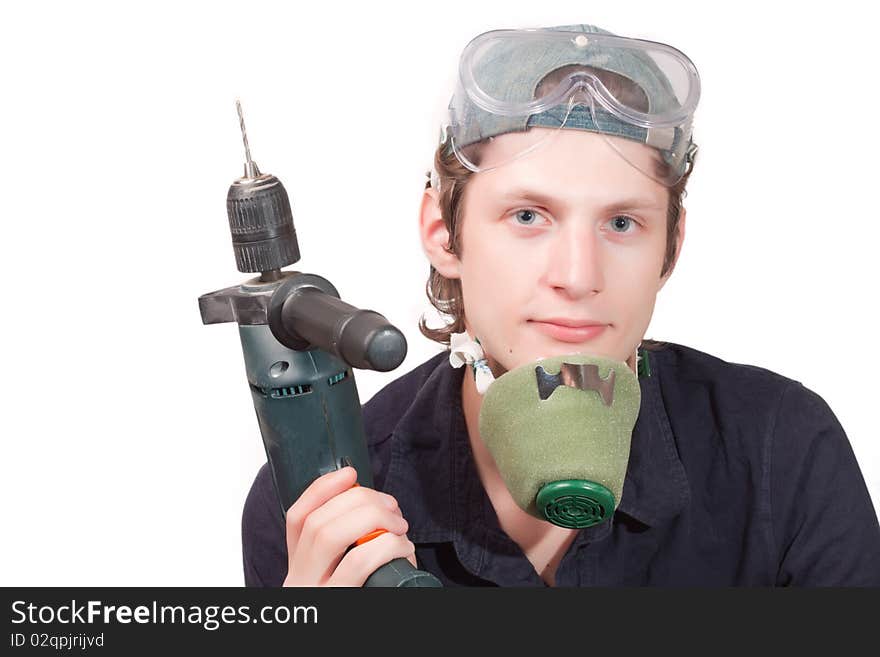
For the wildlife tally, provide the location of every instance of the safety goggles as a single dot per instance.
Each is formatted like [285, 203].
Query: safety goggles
[537, 81]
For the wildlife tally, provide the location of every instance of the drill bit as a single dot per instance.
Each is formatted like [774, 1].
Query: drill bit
[250, 167]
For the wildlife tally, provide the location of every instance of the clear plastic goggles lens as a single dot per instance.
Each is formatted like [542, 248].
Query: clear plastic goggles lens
[523, 72]
[512, 81]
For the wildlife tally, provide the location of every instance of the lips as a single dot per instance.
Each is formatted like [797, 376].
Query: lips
[571, 323]
[581, 332]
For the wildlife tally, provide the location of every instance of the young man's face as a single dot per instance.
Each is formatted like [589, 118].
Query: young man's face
[570, 232]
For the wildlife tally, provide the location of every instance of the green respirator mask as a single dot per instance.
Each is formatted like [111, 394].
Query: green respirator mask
[559, 429]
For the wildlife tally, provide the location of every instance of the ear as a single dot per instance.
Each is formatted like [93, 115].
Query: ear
[680, 242]
[435, 237]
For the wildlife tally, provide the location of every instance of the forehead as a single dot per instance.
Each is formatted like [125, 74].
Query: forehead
[569, 164]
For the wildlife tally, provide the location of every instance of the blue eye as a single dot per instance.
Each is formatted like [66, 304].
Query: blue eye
[529, 217]
[621, 221]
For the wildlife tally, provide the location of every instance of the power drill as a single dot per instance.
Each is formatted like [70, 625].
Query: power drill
[300, 343]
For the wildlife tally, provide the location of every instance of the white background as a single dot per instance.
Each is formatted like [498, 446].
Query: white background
[129, 437]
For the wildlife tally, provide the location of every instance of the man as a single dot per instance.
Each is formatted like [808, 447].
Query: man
[552, 220]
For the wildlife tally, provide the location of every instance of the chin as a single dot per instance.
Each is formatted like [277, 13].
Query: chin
[549, 351]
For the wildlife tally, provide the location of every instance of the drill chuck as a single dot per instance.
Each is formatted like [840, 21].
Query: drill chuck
[261, 223]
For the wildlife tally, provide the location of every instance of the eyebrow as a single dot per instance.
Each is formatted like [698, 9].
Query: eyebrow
[522, 194]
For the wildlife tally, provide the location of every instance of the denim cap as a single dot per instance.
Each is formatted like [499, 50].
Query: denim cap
[512, 71]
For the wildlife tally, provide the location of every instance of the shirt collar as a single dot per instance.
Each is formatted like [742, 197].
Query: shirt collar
[433, 477]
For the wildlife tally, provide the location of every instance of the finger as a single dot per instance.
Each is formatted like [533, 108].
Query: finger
[343, 503]
[329, 542]
[361, 562]
[389, 500]
[321, 490]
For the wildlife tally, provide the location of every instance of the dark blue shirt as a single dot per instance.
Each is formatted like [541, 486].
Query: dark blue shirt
[737, 476]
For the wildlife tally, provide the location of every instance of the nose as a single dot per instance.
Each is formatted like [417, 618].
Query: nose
[574, 265]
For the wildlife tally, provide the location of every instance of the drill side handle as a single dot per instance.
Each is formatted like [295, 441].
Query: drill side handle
[305, 312]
